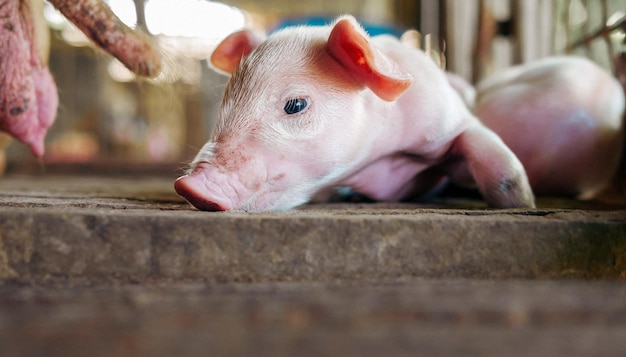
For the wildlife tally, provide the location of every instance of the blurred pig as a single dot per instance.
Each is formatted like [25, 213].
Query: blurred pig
[312, 108]
[562, 117]
[28, 93]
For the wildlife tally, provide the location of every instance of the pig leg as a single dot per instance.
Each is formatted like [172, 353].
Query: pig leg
[99, 23]
[479, 155]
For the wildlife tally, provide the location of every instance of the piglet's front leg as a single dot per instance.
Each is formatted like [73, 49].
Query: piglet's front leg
[480, 156]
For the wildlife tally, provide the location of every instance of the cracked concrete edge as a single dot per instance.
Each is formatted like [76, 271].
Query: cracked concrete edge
[309, 245]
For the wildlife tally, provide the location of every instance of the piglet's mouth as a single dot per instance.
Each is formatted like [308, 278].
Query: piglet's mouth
[197, 192]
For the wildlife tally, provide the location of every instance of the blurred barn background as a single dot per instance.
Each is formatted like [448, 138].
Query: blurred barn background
[108, 119]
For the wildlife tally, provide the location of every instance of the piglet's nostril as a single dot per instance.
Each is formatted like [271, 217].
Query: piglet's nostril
[191, 189]
[205, 205]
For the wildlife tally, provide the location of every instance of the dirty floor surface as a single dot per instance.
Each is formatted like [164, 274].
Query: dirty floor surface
[117, 266]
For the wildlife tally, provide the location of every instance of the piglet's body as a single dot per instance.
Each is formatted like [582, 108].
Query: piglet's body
[311, 108]
[562, 116]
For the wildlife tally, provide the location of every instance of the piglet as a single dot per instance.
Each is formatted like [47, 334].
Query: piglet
[312, 108]
[562, 117]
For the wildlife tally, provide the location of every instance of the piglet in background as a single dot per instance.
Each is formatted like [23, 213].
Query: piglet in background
[563, 118]
[313, 108]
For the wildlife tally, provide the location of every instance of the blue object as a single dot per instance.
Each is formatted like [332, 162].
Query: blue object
[373, 29]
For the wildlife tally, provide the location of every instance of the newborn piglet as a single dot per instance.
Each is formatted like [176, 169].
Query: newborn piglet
[308, 109]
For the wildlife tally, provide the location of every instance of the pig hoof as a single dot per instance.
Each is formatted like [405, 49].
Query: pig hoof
[516, 193]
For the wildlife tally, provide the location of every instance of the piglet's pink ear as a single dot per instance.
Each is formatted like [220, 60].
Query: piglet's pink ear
[233, 49]
[349, 45]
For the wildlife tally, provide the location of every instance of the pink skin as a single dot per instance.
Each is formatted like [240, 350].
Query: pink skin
[380, 118]
[563, 118]
[28, 95]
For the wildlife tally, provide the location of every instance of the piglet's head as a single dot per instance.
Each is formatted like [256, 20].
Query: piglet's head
[297, 116]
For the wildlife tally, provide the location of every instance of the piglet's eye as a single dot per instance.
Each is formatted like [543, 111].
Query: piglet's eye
[296, 105]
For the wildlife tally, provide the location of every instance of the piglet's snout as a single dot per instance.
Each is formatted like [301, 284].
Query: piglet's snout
[196, 190]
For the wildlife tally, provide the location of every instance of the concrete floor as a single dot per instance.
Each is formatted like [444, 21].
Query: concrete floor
[122, 266]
